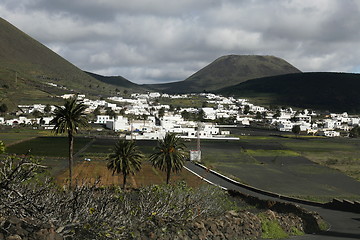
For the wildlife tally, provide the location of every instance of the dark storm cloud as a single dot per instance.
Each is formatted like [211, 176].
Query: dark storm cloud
[158, 41]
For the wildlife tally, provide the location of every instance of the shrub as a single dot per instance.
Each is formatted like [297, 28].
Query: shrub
[89, 211]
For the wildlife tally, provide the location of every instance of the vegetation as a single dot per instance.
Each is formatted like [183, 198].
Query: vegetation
[3, 108]
[338, 91]
[68, 119]
[2, 147]
[249, 160]
[169, 155]
[227, 71]
[27, 66]
[355, 132]
[126, 159]
[119, 82]
[93, 212]
[296, 130]
[271, 228]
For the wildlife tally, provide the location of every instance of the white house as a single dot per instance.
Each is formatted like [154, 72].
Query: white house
[329, 133]
[302, 118]
[119, 124]
[210, 113]
[102, 119]
[111, 105]
[285, 116]
[243, 120]
[67, 96]
[285, 126]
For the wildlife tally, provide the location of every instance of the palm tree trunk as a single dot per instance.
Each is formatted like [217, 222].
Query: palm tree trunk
[71, 150]
[168, 175]
[124, 181]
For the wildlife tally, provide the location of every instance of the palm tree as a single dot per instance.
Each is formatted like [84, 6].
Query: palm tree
[126, 159]
[68, 119]
[169, 154]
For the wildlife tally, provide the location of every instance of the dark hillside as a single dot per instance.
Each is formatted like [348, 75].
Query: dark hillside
[227, 71]
[27, 67]
[118, 81]
[326, 91]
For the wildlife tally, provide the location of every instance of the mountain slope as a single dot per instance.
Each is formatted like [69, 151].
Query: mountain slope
[119, 82]
[227, 71]
[326, 91]
[27, 67]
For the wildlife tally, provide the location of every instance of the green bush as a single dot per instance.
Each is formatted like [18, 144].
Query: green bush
[271, 228]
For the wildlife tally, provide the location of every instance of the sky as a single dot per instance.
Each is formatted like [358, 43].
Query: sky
[163, 41]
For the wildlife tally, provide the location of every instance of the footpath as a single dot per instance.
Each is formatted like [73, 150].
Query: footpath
[344, 225]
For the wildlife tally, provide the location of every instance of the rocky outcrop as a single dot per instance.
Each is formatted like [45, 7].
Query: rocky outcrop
[13, 228]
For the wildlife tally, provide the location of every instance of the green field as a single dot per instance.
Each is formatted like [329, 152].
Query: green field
[15, 135]
[283, 165]
[272, 163]
[47, 146]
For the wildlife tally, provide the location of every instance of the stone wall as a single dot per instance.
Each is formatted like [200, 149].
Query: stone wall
[312, 220]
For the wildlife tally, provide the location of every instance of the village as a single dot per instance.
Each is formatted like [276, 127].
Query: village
[143, 116]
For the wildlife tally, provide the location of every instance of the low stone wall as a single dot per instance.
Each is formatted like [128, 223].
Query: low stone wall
[263, 192]
[231, 225]
[312, 220]
[335, 204]
[13, 228]
[343, 205]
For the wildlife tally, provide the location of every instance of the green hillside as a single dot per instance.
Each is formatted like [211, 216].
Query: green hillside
[336, 92]
[119, 82]
[27, 67]
[227, 71]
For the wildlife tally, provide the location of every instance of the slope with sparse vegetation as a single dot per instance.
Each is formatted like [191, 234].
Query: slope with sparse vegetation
[335, 92]
[27, 67]
[227, 71]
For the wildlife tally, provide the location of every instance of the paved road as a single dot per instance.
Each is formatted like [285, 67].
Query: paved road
[344, 225]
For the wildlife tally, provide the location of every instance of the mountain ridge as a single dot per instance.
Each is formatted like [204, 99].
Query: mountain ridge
[329, 91]
[228, 70]
[31, 71]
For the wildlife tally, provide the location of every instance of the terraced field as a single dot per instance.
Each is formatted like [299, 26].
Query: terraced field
[309, 168]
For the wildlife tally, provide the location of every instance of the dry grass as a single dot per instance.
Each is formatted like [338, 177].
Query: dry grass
[91, 171]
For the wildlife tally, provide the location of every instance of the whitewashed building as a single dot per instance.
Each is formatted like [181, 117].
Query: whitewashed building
[102, 119]
[119, 124]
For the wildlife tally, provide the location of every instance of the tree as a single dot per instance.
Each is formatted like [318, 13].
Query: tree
[111, 113]
[169, 155]
[355, 132]
[97, 111]
[258, 115]
[2, 147]
[161, 112]
[126, 159]
[3, 108]
[277, 114]
[246, 109]
[185, 115]
[36, 113]
[68, 119]
[47, 109]
[201, 115]
[122, 111]
[296, 129]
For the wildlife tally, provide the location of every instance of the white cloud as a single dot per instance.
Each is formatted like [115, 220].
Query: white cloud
[157, 41]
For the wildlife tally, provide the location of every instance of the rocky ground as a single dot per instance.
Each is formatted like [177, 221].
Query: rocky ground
[232, 225]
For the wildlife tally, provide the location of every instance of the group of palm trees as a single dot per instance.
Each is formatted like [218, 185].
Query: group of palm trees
[169, 154]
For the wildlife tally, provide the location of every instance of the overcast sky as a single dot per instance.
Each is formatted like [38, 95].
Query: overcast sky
[168, 40]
